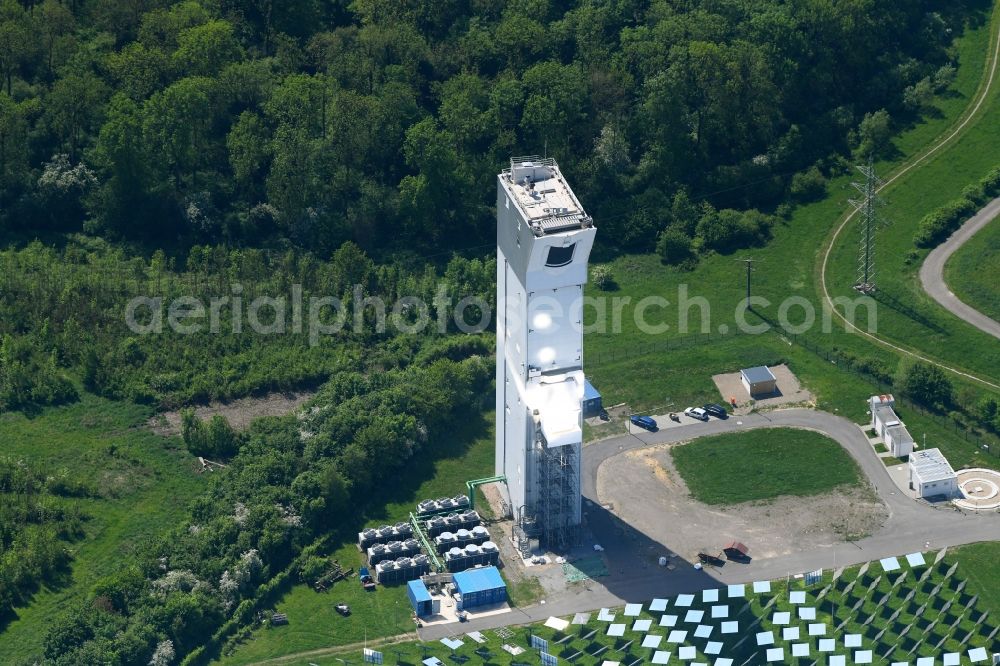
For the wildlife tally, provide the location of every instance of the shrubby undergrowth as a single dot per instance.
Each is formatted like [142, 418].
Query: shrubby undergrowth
[38, 521]
[292, 481]
[937, 225]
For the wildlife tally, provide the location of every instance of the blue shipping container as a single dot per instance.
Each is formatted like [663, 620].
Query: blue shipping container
[591, 400]
[480, 587]
[420, 598]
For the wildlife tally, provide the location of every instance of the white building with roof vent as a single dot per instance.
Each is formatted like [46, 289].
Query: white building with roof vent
[931, 474]
[544, 238]
[888, 426]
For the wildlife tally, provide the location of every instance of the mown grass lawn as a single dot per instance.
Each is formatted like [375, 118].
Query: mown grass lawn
[763, 464]
[980, 564]
[905, 313]
[145, 482]
[973, 272]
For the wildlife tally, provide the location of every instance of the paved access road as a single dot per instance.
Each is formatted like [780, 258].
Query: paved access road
[932, 271]
[912, 526]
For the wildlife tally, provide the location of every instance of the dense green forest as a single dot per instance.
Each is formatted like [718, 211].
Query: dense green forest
[180, 148]
[253, 122]
[163, 149]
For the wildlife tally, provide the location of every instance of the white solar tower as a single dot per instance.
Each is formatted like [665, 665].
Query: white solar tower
[544, 238]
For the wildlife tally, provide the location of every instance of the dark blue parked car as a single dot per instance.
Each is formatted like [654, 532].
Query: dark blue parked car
[644, 422]
[718, 411]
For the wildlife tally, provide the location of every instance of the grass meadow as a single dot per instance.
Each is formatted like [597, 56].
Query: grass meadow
[787, 266]
[973, 272]
[906, 315]
[763, 464]
[145, 482]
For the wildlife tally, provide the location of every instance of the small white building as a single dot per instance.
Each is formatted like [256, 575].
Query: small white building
[759, 381]
[887, 425]
[884, 399]
[931, 475]
[898, 439]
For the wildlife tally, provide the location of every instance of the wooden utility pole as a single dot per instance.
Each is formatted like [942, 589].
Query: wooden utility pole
[749, 264]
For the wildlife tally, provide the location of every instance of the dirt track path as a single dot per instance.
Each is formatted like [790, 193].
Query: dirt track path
[304, 657]
[971, 115]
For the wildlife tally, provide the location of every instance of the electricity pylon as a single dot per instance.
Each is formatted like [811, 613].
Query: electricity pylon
[868, 209]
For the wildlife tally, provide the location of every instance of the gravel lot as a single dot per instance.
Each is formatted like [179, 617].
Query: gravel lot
[644, 489]
[789, 390]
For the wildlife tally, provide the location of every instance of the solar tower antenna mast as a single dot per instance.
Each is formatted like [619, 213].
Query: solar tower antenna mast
[868, 208]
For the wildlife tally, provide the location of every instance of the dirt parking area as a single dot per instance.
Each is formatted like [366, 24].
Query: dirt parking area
[239, 413]
[643, 488]
[790, 391]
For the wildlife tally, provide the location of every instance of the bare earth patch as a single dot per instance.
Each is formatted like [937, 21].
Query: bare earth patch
[644, 489]
[239, 413]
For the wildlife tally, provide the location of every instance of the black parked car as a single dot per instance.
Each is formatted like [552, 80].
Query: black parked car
[718, 411]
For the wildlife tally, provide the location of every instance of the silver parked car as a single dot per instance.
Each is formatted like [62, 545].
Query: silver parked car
[697, 413]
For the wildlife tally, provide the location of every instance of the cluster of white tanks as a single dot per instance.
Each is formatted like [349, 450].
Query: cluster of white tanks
[458, 535]
[385, 534]
[392, 550]
[403, 569]
[442, 504]
[458, 521]
[460, 559]
[448, 540]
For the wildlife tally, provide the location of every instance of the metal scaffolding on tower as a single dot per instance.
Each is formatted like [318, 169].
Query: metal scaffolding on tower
[558, 482]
